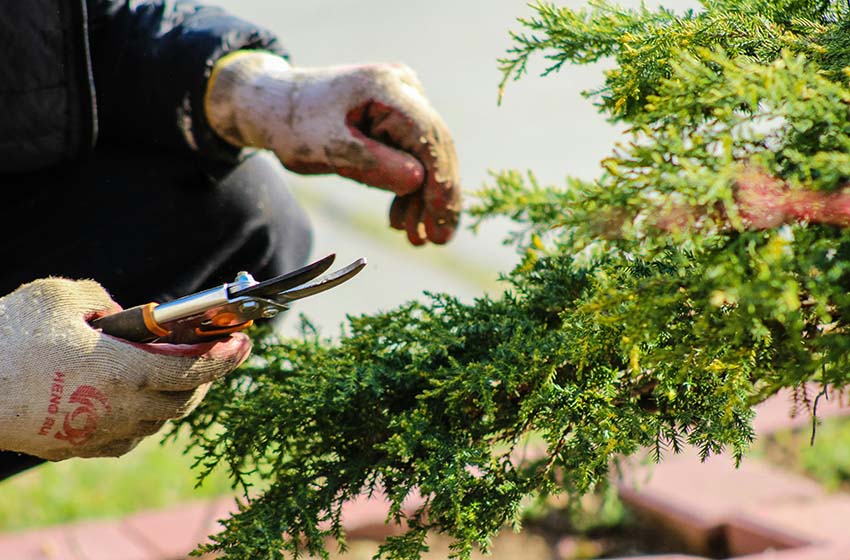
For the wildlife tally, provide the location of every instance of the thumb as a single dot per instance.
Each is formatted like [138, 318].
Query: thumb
[183, 367]
[385, 165]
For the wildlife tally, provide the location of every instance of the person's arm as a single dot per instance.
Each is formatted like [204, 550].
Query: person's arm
[151, 61]
[162, 76]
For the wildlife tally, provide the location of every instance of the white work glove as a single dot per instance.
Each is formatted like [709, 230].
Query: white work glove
[369, 123]
[67, 390]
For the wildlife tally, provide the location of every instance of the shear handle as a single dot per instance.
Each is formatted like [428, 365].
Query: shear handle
[136, 324]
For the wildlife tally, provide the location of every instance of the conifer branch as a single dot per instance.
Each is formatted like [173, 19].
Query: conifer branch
[620, 330]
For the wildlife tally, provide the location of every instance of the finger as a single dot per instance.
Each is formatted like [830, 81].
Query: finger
[114, 448]
[374, 127]
[398, 210]
[160, 406]
[442, 209]
[381, 166]
[428, 139]
[413, 222]
[386, 168]
[179, 367]
[308, 167]
[441, 193]
[148, 427]
[438, 231]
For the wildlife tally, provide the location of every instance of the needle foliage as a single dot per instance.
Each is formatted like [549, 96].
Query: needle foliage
[612, 334]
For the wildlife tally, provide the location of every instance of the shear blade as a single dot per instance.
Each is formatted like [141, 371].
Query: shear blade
[273, 286]
[319, 285]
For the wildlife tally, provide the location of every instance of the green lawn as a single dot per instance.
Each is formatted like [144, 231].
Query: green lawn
[151, 476]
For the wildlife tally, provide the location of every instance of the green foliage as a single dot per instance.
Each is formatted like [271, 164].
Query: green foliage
[647, 43]
[613, 333]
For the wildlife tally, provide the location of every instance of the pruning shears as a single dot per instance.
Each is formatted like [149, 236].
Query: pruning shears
[231, 307]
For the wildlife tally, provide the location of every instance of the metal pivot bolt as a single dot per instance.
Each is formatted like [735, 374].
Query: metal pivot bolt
[269, 312]
[248, 307]
[242, 281]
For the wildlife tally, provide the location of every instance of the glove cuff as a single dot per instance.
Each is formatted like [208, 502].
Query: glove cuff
[242, 90]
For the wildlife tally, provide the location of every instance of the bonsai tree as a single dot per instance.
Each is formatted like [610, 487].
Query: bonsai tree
[705, 269]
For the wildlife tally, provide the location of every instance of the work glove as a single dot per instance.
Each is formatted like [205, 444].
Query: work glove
[67, 390]
[369, 123]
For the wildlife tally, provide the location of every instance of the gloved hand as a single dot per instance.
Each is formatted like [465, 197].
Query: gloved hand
[67, 390]
[369, 123]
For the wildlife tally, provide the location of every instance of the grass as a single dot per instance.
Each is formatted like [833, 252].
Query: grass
[151, 476]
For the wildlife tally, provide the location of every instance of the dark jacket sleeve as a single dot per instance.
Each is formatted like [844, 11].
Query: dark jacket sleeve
[151, 61]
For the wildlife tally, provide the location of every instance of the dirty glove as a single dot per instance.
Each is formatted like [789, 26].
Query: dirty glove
[67, 390]
[369, 123]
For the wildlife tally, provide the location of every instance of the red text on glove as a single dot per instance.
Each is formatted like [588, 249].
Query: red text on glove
[56, 390]
[79, 424]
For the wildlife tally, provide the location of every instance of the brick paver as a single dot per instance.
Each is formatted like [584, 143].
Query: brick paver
[44, 544]
[778, 413]
[749, 509]
[90, 540]
[100, 540]
[696, 499]
[173, 532]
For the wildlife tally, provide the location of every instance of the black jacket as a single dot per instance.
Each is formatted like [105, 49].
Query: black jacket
[75, 72]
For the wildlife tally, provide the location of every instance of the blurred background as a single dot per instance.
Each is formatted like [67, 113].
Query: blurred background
[544, 125]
